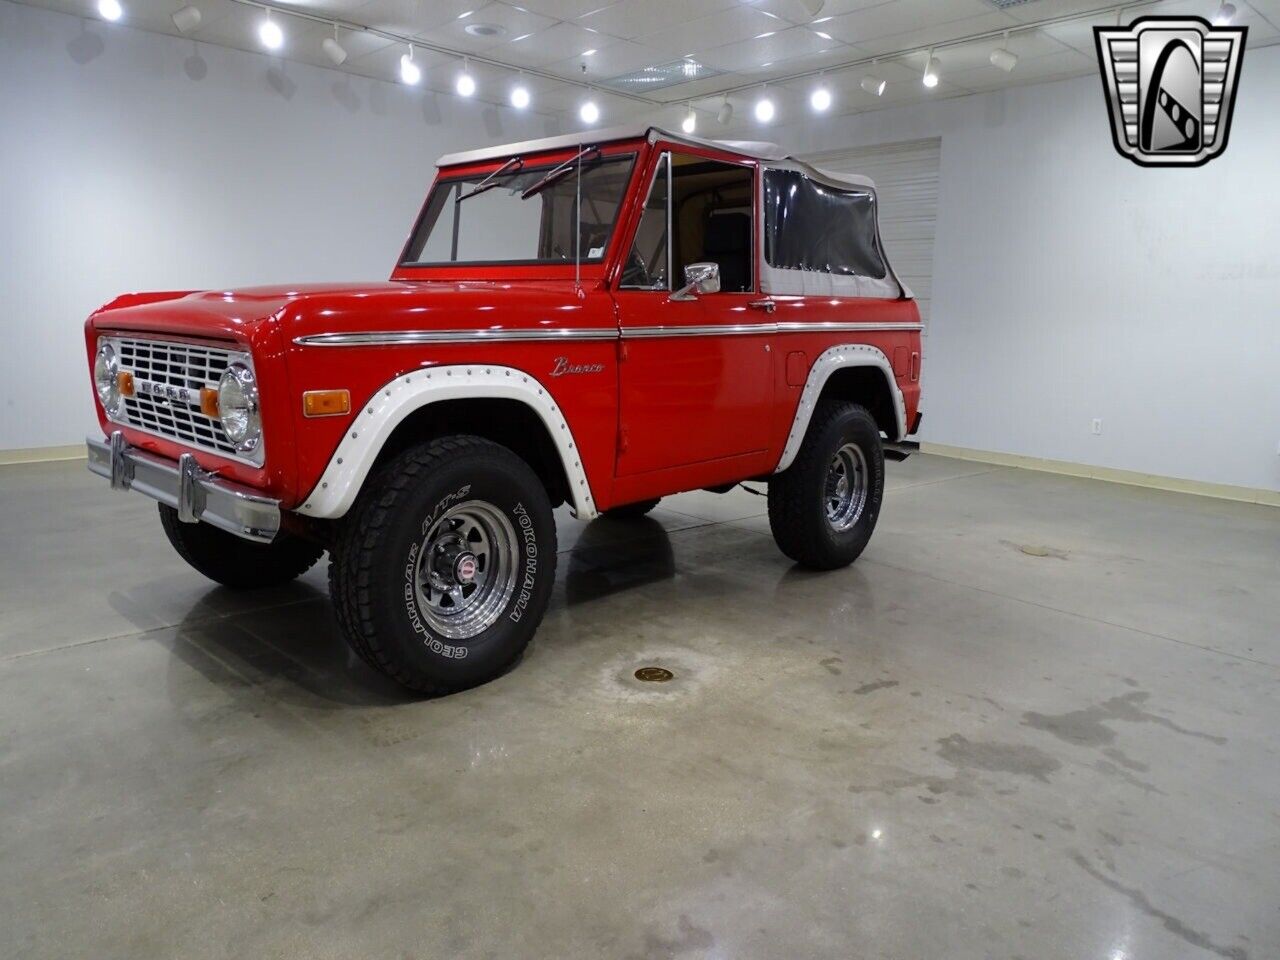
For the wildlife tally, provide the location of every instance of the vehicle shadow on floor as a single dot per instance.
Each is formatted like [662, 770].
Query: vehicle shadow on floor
[289, 644]
[611, 556]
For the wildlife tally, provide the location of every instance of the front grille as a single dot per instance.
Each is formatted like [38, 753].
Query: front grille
[183, 365]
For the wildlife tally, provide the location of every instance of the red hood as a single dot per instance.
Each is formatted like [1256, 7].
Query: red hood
[337, 307]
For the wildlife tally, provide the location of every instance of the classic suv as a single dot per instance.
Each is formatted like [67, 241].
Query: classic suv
[596, 320]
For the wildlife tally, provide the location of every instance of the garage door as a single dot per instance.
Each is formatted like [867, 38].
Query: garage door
[906, 177]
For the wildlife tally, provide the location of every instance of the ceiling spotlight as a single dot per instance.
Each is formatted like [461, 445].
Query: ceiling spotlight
[1226, 13]
[1003, 57]
[186, 19]
[690, 122]
[270, 34]
[725, 113]
[336, 53]
[589, 112]
[520, 98]
[874, 85]
[466, 83]
[820, 99]
[931, 66]
[110, 10]
[764, 108]
[409, 71]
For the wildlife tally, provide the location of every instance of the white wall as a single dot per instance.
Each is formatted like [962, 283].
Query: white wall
[1071, 284]
[134, 161]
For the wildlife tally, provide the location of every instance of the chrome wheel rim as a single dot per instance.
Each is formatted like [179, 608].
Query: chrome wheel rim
[465, 572]
[845, 488]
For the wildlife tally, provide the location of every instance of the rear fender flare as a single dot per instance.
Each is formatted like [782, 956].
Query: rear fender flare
[828, 362]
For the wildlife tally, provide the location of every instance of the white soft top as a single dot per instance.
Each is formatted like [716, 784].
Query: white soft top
[770, 153]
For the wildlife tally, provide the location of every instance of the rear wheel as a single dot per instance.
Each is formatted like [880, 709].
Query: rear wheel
[444, 567]
[235, 562]
[823, 508]
[630, 511]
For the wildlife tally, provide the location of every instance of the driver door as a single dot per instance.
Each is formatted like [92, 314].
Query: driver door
[696, 374]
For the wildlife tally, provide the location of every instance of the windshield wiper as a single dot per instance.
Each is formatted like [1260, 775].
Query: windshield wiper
[491, 181]
[558, 173]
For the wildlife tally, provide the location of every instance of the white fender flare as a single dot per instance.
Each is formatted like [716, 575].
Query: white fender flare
[350, 464]
[829, 361]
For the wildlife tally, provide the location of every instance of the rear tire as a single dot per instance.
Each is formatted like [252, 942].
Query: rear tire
[823, 508]
[632, 511]
[235, 562]
[444, 567]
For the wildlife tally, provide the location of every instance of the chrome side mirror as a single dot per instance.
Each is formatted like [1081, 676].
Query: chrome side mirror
[699, 278]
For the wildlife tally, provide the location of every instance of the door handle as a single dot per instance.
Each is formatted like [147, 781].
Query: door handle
[767, 305]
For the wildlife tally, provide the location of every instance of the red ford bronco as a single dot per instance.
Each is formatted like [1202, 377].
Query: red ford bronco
[596, 320]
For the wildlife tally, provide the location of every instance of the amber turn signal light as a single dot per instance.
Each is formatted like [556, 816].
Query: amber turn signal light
[209, 402]
[326, 403]
[124, 383]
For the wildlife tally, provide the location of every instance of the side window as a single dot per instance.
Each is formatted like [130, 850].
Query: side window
[698, 211]
[648, 262]
[812, 226]
[711, 216]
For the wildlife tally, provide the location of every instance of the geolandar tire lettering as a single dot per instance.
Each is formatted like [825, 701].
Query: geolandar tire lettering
[444, 567]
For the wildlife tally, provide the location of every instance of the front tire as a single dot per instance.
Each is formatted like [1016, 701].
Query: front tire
[235, 562]
[823, 508]
[444, 567]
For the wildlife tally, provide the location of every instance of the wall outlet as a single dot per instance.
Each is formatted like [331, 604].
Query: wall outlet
[1097, 426]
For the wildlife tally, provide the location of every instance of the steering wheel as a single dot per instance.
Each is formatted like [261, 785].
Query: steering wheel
[635, 273]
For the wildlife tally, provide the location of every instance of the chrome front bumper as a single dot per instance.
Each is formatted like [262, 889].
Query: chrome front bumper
[194, 493]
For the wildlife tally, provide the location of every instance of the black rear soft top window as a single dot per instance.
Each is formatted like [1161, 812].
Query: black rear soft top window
[813, 226]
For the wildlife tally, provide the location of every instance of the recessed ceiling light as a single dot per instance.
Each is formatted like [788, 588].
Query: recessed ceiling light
[824, 36]
[484, 30]
[589, 53]
[463, 16]
[767, 33]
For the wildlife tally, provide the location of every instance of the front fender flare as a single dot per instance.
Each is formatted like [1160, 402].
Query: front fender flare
[338, 486]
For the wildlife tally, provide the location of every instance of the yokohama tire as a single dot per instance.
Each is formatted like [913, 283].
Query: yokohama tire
[444, 566]
[842, 441]
[234, 561]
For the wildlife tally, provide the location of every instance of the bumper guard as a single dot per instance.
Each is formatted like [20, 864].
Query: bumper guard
[196, 494]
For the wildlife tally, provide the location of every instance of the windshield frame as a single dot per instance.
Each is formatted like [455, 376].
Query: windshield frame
[448, 177]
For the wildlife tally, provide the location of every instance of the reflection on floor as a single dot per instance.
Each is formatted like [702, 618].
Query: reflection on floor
[1036, 719]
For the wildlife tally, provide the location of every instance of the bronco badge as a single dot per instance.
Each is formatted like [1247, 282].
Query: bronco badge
[1170, 84]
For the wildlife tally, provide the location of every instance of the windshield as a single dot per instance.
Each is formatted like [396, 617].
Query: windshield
[496, 226]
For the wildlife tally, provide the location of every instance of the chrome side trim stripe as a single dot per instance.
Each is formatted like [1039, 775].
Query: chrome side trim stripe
[382, 338]
[386, 338]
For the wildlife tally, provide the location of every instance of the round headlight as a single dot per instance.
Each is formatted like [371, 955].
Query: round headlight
[106, 370]
[238, 407]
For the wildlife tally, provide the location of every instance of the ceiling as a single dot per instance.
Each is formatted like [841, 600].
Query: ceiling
[737, 45]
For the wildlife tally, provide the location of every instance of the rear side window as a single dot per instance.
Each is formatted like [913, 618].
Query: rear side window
[813, 226]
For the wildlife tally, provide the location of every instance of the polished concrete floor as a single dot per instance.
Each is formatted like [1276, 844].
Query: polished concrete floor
[1039, 718]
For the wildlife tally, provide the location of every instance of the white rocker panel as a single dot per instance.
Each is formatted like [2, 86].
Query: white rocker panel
[829, 361]
[338, 486]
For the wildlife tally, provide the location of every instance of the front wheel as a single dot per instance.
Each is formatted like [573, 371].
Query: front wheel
[444, 567]
[823, 508]
[235, 562]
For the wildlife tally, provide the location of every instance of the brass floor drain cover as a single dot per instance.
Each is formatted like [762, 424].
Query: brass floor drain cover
[654, 674]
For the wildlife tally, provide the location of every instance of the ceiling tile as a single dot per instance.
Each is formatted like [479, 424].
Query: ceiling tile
[762, 51]
[566, 9]
[614, 59]
[560, 42]
[705, 33]
[507, 21]
[633, 20]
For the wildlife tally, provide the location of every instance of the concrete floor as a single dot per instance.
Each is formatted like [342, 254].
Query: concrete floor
[1038, 719]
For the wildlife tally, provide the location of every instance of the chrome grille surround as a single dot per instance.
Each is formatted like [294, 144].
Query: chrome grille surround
[168, 377]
